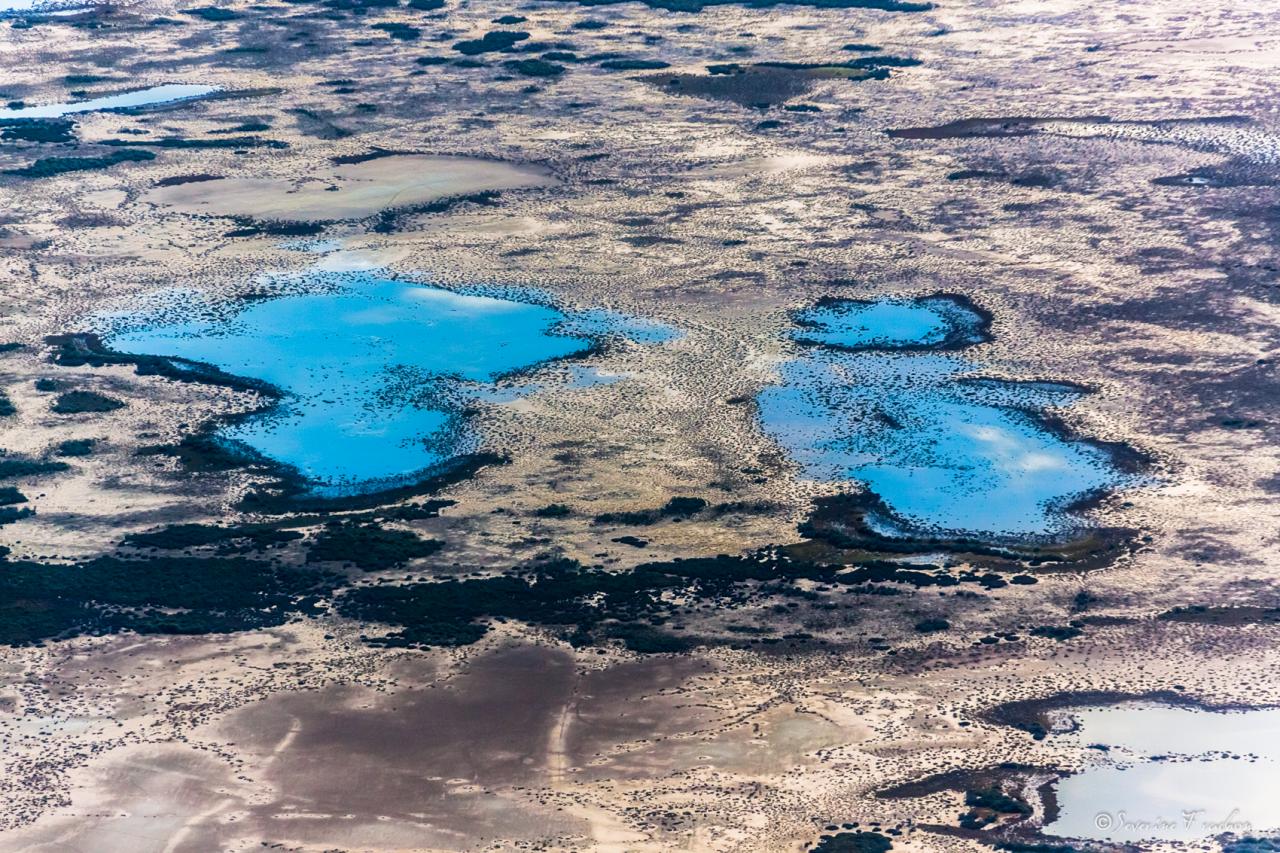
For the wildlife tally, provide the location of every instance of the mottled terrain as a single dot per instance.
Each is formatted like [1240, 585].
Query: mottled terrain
[619, 607]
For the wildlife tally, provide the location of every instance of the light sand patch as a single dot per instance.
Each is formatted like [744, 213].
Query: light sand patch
[352, 191]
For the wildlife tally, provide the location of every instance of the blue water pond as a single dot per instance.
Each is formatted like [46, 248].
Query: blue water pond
[928, 322]
[375, 373]
[945, 453]
[167, 93]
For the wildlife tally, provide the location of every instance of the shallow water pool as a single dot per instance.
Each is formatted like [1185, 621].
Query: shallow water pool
[1175, 774]
[866, 400]
[124, 100]
[376, 374]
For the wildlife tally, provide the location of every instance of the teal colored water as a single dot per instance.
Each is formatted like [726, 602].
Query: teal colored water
[944, 453]
[124, 100]
[889, 323]
[1219, 773]
[376, 373]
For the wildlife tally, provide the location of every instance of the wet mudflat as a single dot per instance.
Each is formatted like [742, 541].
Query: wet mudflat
[350, 190]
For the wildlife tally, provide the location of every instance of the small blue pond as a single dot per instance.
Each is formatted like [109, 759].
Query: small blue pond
[933, 321]
[164, 94]
[376, 373]
[945, 453]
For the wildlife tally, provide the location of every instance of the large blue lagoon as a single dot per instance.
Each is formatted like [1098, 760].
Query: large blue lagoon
[375, 374]
[871, 398]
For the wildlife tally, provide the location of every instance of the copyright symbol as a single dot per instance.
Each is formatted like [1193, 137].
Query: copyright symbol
[1103, 820]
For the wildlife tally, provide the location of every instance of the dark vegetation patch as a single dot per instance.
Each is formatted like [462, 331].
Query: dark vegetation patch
[847, 523]
[81, 350]
[74, 447]
[388, 221]
[766, 84]
[634, 64]
[47, 130]
[85, 402]
[374, 153]
[177, 180]
[249, 227]
[853, 842]
[1008, 126]
[369, 547]
[491, 42]
[990, 805]
[85, 79]
[12, 468]
[983, 127]
[168, 595]
[1034, 715]
[1036, 847]
[6, 406]
[10, 514]
[211, 13]
[1209, 615]
[47, 167]
[678, 507]
[202, 453]
[1057, 632]
[699, 5]
[553, 511]
[930, 626]
[960, 335]
[633, 541]
[959, 781]
[9, 495]
[231, 540]
[185, 142]
[1251, 844]
[291, 494]
[586, 604]
[403, 32]
[534, 67]
[245, 127]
